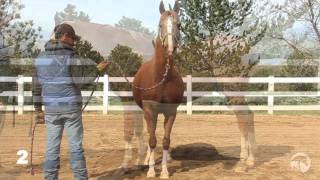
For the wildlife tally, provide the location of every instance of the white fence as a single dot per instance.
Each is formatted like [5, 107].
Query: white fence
[189, 107]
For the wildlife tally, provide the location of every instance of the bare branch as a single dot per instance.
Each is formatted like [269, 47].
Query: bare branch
[293, 46]
[313, 19]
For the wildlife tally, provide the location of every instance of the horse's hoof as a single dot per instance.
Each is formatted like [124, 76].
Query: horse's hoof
[164, 175]
[250, 163]
[151, 173]
[244, 155]
[240, 168]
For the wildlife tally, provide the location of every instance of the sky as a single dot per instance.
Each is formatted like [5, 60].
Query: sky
[100, 11]
[103, 11]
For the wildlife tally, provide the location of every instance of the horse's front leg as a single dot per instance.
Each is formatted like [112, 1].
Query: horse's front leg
[247, 138]
[168, 124]
[151, 118]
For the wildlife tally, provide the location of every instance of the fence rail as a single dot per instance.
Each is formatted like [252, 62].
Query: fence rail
[271, 81]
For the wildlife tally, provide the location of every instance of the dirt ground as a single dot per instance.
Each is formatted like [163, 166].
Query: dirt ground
[202, 146]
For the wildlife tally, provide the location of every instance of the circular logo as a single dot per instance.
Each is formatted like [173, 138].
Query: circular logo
[300, 162]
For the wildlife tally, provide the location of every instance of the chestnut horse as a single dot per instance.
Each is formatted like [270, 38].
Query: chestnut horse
[158, 88]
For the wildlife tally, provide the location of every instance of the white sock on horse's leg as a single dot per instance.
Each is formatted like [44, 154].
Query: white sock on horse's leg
[146, 161]
[169, 156]
[165, 157]
[164, 172]
[151, 172]
[127, 155]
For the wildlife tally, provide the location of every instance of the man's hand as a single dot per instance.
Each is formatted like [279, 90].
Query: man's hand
[102, 66]
[39, 117]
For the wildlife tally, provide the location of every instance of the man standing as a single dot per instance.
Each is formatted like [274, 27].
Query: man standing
[56, 86]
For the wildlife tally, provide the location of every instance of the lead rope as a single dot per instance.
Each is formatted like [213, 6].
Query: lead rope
[91, 95]
[32, 171]
[167, 68]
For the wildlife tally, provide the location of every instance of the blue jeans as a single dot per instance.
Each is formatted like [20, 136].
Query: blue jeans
[55, 125]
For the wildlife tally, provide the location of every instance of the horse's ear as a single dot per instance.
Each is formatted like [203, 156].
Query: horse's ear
[162, 8]
[176, 7]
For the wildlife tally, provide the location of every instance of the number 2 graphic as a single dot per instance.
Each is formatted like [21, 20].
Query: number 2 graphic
[23, 159]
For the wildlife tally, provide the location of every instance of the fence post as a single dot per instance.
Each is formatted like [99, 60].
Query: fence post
[270, 97]
[20, 84]
[105, 93]
[189, 95]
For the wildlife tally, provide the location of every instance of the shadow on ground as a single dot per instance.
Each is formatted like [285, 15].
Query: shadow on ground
[198, 155]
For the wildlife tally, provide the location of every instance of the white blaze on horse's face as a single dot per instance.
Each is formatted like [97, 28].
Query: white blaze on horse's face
[170, 33]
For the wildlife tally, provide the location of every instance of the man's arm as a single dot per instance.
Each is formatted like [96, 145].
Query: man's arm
[85, 71]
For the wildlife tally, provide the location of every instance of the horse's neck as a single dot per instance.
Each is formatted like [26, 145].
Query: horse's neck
[160, 59]
[160, 55]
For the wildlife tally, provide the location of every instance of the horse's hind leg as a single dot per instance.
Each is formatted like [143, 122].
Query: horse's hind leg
[138, 129]
[128, 127]
[168, 124]
[251, 141]
[150, 115]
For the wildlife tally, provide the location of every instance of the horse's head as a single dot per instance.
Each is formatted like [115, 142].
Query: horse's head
[169, 28]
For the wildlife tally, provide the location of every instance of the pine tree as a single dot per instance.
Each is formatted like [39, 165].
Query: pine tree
[71, 14]
[215, 38]
[134, 25]
[17, 38]
[126, 62]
